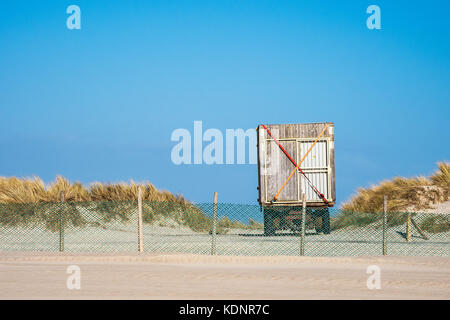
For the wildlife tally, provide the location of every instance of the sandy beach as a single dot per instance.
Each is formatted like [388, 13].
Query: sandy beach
[35, 275]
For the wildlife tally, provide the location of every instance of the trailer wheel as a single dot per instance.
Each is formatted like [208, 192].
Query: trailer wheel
[324, 221]
[269, 228]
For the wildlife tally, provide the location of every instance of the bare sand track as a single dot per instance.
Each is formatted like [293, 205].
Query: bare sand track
[35, 275]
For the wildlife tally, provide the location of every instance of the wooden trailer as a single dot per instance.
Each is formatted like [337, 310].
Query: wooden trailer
[296, 159]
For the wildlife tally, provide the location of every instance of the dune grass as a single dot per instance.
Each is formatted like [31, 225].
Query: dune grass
[27, 201]
[33, 190]
[405, 195]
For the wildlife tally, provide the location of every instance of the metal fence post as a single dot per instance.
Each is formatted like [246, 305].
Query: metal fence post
[140, 240]
[384, 225]
[214, 229]
[61, 222]
[303, 226]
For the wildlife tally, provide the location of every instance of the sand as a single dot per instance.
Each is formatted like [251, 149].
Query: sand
[43, 275]
[439, 208]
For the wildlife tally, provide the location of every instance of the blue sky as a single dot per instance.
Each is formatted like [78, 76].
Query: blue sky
[100, 103]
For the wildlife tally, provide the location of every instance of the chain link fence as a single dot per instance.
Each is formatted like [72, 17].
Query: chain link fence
[222, 229]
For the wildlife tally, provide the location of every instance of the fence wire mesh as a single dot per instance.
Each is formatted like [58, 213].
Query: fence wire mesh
[179, 227]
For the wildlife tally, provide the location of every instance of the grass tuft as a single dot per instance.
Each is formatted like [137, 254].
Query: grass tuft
[404, 194]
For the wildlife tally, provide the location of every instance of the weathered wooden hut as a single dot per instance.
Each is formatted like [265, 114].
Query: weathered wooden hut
[296, 159]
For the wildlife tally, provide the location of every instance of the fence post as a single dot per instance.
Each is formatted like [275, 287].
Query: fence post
[140, 240]
[214, 229]
[303, 226]
[408, 228]
[61, 222]
[384, 225]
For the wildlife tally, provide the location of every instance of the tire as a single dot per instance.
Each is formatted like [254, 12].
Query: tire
[326, 222]
[269, 228]
[324, 217]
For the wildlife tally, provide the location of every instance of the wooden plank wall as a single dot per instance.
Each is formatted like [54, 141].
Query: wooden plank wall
[279, 164]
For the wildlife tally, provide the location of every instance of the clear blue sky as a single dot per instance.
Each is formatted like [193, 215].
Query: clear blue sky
[100, 103]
